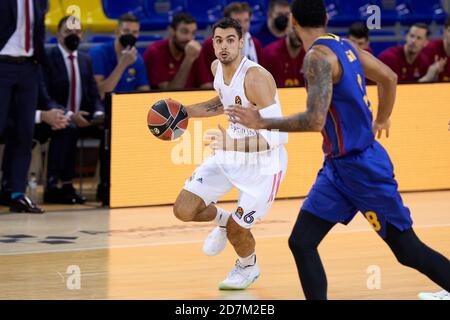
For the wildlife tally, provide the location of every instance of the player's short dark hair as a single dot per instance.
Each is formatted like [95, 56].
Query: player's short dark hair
[309, 13]
[273, 3]
[128, 17]
[181, 17]
[65, 19]
[421, 25]
[226, 23]
[236, 7]
[447, 22]
[359, 30]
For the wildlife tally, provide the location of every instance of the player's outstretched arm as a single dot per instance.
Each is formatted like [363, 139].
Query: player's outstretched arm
[318, 73]
[205, 109]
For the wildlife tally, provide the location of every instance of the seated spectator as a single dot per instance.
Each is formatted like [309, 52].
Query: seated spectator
[409, 61]
[359, 34]
[118, 67]
[70, 82]
[284, 60]
[439, 51]
[172, 63]
[252, 49]
[276, 26]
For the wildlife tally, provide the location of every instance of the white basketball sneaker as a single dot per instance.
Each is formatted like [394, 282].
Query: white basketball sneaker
[240, 277]
[441, 295]
[215, 242]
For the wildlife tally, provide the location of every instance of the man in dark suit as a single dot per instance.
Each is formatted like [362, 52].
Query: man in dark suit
[70, 82]
[22, 34]
[48, 118]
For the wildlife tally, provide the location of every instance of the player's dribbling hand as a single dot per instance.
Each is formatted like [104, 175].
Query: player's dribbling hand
[219, 140]
[378, 128]
[248, 117]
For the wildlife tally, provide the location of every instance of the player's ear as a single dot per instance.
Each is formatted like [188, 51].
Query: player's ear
[241, 42]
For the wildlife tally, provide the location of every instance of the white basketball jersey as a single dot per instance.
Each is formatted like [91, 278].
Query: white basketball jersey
[237, 164]
[234, 93]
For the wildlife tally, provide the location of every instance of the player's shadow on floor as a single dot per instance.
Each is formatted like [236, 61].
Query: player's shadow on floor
[237, 295]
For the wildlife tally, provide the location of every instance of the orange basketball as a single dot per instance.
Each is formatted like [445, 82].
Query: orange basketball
[167, 119]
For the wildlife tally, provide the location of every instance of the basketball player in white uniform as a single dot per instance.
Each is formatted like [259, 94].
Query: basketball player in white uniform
[254, 161]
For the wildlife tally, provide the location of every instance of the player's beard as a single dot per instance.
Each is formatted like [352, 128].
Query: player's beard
[294, 40]
[180, 46]
[228, 59]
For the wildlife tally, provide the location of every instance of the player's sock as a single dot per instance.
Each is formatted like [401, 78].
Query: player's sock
[308, 232]
[222, 217]
[248, 261]
[413, 253]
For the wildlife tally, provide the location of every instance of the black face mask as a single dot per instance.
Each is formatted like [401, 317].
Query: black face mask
[127, 40]
[72, 41]
[281, 22]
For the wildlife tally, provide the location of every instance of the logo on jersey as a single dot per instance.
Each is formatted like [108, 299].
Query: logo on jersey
[200, 180]
[238, 100]
[239, 212]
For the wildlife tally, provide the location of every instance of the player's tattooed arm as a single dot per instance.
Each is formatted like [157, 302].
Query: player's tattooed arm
[205, 109]
[317, 70]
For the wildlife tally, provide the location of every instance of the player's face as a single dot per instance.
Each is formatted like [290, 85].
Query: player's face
[362, 43]
[184, 33]
[227, 45]
[243, 18]
[416, 40]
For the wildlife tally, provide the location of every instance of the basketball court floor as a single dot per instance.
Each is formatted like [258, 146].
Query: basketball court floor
[145, 253]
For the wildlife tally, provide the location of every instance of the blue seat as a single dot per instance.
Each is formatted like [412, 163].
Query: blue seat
[389, 12]
[149, 37]
[101, 38]
[413, 11]
[114, 9]
[207, 12]
[343, 13]
[159, 13]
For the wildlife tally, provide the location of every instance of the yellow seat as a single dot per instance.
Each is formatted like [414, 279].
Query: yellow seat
[91, 14]
[54, 15]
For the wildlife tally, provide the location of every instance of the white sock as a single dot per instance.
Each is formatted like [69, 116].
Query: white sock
[221, 218]
[248, 261]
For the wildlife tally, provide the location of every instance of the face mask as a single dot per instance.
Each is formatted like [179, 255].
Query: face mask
[72, 41]
[127, 40]
[281, 22]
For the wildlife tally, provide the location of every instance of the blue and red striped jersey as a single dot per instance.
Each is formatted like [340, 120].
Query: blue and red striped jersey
[348, 127]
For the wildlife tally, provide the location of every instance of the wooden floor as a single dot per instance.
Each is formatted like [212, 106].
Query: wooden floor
[146, 253]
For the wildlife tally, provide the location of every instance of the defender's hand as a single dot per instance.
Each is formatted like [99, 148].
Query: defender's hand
[378, 128]
[248, 117]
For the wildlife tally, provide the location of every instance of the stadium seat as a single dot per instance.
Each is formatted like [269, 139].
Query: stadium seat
[343, 13]
[54, 15]
[159, 13]
[412, 11]
[101, 38]
[114, 9]
[206, 13]
[91, 14]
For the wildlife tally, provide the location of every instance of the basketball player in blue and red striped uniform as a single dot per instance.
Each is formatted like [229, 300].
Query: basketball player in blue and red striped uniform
[357, 174]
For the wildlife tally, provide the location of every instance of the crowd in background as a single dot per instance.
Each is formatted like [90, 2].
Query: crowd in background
[69, 85]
